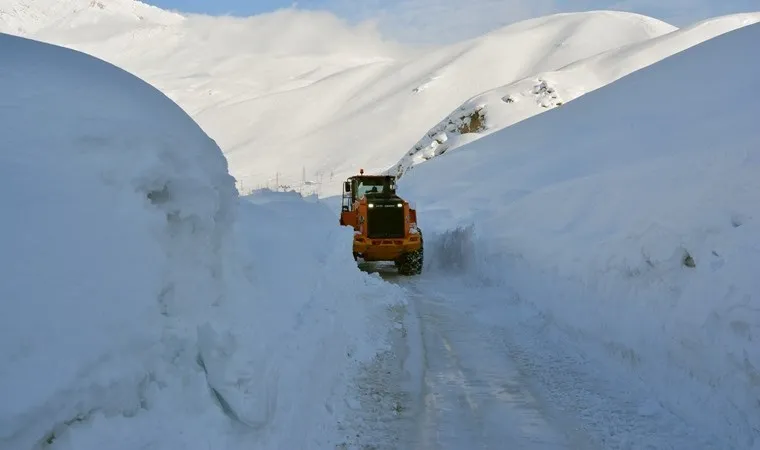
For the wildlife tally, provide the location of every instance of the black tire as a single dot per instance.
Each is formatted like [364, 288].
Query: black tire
[411, 263]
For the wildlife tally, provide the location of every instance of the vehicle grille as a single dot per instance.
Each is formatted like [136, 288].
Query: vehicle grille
[385, 221]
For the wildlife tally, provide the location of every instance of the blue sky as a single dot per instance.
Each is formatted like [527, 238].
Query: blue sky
[444, 20]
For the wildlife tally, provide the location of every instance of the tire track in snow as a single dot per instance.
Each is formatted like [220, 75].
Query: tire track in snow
[595, 401]
[475, 396]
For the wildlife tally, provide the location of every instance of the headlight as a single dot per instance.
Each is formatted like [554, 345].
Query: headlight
[371, 205]
[400, 205]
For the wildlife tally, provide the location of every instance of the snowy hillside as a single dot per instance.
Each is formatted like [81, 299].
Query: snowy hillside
[504, 106]
[145, 305]
[92, 19]
[325, 99]
[627, 221]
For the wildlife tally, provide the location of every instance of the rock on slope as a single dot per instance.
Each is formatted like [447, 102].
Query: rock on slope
[628, 219]
[506, 105]
[330, 99]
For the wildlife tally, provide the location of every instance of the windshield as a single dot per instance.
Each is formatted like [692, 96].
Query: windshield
[377, 185]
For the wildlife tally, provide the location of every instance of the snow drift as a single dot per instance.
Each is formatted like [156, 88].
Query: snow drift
[628, 219]
[504, 106]
[142, 303]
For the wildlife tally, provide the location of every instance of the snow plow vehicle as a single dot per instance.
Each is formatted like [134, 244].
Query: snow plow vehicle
[385, 226]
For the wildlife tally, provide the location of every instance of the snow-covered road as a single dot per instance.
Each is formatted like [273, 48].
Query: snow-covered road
[475, 396]
[492, 374]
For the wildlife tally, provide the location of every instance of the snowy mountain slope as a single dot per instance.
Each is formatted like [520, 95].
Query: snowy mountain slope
[144, 305]
[627, 219]
[328, 99]
[105, 16]
[504, 106]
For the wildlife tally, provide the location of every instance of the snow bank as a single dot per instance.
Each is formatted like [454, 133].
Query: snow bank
[628, 218]
[504, 106]
[115, 206]
[142, 304]
[288, 347]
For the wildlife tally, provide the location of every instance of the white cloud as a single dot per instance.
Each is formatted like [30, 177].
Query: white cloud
[441, 21]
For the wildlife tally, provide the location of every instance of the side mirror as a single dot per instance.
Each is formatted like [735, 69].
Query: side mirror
[347, 186]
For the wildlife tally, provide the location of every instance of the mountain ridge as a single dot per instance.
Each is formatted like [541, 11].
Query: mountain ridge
[504, 106]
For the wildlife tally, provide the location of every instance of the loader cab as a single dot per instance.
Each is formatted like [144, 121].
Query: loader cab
[367, 186]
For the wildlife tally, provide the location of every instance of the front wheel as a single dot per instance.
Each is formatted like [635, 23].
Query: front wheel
[411, 263]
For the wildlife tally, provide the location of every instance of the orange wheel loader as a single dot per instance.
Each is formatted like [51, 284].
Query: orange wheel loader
[385, 226]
